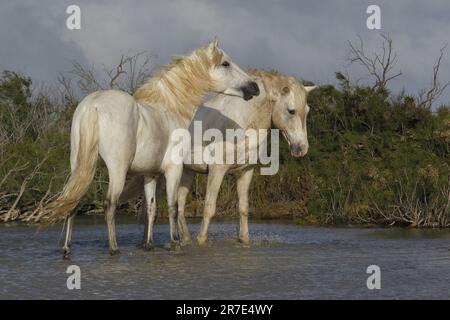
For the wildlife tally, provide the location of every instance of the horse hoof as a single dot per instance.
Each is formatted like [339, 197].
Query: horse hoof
[245, 241]
[201, 241]
[114, 252]
[186, 242]
[66, 253]
[175, 246]
[148, 247]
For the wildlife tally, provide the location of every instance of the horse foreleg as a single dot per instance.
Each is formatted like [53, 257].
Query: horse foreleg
[150, 206]
[185, 185]
[243, 186]
[173, 177]
[215, 178]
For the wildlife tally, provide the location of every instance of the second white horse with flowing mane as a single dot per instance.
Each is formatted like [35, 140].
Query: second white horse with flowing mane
[282, 105]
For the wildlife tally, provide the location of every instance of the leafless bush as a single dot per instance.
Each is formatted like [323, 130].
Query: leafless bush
[428, 96]
[129, 73]
[11, 212]
[31, 120]
[409, 208]
[378, 65]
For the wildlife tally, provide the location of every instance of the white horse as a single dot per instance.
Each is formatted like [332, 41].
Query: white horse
[282, 104]
[132, 134]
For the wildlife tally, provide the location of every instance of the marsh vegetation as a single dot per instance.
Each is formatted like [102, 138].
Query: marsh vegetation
[375, 157]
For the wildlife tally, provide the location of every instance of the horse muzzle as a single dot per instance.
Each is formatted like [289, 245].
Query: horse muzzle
[298, 150]
[250, 90]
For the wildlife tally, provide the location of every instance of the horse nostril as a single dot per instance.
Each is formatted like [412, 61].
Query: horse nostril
[254, 88]
[297, 150]
[250, 90]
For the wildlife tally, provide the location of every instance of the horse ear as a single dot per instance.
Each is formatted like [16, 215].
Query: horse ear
[216, 42]
[213, 45]
[310, 88]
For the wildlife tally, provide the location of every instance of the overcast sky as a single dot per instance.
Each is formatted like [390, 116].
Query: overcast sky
[304, 38]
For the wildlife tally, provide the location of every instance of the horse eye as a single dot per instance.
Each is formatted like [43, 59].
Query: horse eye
[225, 64]
[291, 111]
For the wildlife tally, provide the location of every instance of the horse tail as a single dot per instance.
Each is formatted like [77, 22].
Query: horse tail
[83, 169]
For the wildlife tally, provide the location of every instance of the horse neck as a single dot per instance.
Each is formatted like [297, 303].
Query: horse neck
[180, 88]
[178, 120]
[270, 80]
[261, 111]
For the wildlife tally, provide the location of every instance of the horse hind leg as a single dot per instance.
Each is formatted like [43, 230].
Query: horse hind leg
[74, 147]
[183, 191]
[173, 177]
[150, 208]
[116, 183]
[68, 240]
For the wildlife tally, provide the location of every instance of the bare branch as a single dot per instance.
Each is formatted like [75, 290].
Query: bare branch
[13, 212]
[129, 73]
[428, 97]
[116, 72]
[380, 65]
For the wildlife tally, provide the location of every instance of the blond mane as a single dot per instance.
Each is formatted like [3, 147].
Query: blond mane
[274, 82]
[181, 85]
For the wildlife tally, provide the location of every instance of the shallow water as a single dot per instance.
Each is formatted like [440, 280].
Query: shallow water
[285, 261]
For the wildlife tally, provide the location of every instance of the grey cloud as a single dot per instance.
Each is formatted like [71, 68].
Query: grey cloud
[304, 38]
